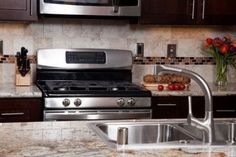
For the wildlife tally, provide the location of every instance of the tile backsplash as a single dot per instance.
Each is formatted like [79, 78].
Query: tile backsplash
[75, 33]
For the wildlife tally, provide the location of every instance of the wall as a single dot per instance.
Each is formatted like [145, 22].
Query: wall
[74, 33]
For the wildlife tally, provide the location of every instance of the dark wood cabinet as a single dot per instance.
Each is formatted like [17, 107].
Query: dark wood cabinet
[18, 10]
[216, 12]
[177, 107]
[169, 107]
[223, 106]
[21, 109]
[188, 12]
[166, 12]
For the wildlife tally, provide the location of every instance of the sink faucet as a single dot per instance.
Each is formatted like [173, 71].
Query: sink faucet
[207, 124]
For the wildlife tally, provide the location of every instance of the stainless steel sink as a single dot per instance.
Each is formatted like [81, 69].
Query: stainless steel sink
[225, 132]
[146, 134]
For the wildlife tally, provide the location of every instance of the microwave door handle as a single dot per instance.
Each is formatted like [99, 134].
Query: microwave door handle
[115, 4]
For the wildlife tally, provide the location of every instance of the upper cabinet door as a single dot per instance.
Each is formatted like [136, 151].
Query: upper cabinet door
[18, 10]
[193, 12]
[222, 12]
[168, 11]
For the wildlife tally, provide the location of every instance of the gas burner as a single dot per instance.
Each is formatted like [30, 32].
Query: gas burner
[77, 86]
[60, 88]
[118, 89]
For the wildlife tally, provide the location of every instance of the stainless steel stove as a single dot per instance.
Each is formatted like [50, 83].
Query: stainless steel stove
[87, 84]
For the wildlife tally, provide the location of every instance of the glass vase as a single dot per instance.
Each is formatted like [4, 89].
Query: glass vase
[221, 73]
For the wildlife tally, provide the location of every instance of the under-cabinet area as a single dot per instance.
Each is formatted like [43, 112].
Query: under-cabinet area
[165, 107]
[21, 109]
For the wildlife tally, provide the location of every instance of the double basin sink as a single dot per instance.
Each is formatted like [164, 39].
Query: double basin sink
[151, 134]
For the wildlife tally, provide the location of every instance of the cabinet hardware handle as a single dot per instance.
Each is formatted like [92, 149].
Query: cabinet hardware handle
[31, 8]
[13, 114]
[115, 6]
[167, 105]
[203, 9]
[225, 110]
[193, 10]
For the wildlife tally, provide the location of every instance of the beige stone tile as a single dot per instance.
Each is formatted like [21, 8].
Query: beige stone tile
[7, 44]
[62, 42]
[189, 48]
[91, 29]
[8, 73]
[89, 43]
[42, 42]
[71, 30]
[115, 43]
[52, 30]
[115, 30]
[23, 41]
[1, 29]
[14, 28]
[35, 30]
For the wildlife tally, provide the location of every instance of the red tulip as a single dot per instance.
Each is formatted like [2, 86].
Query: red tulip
[217, 42]
[224, 49]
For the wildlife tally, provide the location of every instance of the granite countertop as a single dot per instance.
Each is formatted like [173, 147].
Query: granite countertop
[11, 90]
[74, 138]
[195, 90]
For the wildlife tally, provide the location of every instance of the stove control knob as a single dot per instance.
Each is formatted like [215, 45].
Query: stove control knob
[131, 102]
[120, 102]
[66, 102]
[77, 102]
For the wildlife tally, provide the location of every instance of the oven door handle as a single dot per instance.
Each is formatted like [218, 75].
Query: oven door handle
[96, 114]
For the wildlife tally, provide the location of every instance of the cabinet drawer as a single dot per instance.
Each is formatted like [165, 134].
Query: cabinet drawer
[169, 107]
[177, 107]
[21, 110]
[14, 115]
[224, 106]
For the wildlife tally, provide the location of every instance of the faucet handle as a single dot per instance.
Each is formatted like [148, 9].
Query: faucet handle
[190, 105]
[190, 113]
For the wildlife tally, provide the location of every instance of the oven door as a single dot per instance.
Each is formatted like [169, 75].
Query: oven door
[105, 114]
[91, 7]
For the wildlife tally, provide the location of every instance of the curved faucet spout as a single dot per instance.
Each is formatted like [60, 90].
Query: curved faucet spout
[208, 123]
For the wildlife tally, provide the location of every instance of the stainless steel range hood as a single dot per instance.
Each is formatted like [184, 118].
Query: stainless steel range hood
[108, 8]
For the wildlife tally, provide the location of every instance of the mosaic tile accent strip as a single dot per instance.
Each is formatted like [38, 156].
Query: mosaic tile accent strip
[139, 60]
[175, 60]
[12, 58]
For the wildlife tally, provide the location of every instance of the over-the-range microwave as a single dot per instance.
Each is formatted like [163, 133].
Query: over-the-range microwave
[131, 8]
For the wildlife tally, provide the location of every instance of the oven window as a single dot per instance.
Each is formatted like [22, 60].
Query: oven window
[95, 2]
